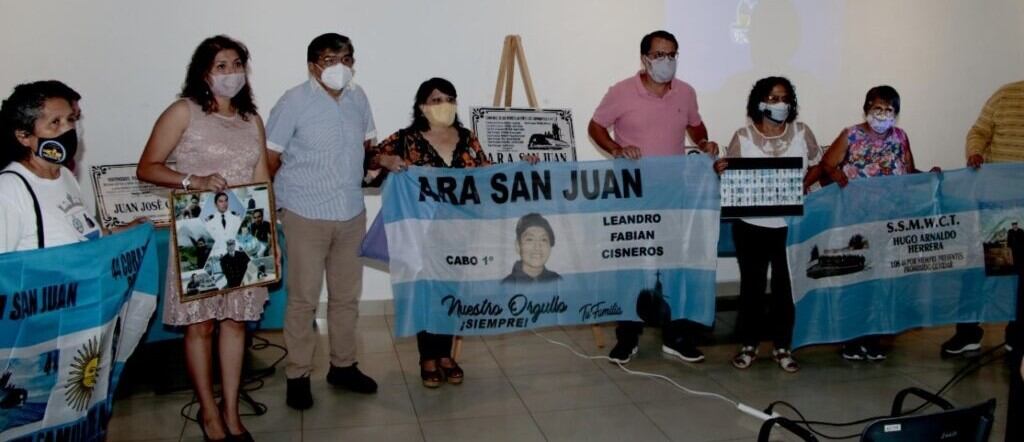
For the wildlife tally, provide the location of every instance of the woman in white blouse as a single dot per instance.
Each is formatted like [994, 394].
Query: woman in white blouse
[772, 132]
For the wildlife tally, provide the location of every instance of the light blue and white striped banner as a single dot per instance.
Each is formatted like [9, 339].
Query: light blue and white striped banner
[888, 254]
[624, 232]
[70, 317]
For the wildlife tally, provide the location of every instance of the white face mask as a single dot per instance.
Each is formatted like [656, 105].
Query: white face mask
[336, 77]
[227, 85]
[881, 124]
[777, 112]
[661, 70]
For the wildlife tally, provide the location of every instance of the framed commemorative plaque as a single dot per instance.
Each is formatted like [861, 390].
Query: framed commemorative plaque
[509, 134]
[121, 198]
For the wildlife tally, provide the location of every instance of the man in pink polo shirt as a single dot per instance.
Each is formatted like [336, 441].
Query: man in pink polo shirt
[651, 114]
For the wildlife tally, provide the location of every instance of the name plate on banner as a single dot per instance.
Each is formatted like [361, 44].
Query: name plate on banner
[509, 134]
[757, 187]
[121, 197]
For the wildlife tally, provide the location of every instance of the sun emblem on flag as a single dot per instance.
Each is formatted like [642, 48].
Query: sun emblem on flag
[84, 374]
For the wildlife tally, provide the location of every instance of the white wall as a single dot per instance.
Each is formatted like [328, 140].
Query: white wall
[945, 57]
[128, 58]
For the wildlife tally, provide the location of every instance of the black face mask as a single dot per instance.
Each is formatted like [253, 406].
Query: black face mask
[59, 150]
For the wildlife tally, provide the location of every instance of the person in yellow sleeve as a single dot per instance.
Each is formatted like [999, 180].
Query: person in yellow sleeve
[996, 137]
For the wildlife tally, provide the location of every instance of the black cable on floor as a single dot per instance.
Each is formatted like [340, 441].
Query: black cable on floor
[974, 365]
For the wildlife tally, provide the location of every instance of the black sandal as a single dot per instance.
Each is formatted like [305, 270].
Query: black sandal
[454, 374]
[432, 378]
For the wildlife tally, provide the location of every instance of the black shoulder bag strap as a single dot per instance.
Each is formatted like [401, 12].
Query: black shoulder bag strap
[35, 205]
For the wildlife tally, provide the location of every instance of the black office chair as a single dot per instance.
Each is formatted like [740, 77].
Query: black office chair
[970, 424]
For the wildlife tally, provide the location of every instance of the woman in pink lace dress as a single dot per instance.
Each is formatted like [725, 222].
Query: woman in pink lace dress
[216, 137]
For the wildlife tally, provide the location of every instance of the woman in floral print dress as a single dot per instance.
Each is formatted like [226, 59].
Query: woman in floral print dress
[874, 147]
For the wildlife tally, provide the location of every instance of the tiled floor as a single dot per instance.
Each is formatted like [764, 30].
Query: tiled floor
[521, 388]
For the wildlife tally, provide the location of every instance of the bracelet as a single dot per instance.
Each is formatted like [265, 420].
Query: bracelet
[187, 181]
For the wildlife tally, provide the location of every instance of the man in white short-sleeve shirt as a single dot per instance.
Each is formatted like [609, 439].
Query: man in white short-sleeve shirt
[318, 133]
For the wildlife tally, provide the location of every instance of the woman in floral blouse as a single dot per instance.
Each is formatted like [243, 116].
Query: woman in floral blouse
[435, 138]
[875, 147]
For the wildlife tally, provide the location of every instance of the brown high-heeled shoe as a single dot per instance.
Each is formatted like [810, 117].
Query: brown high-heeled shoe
[453, 374]
[432, 378]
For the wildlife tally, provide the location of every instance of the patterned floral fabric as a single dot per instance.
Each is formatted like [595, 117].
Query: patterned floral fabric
[871, 154]
[417, 151]
[231, 147]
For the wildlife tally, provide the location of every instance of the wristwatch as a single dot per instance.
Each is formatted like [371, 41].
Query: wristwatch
[187, 181]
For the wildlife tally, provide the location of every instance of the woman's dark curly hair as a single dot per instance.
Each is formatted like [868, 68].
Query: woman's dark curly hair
[760, 92]
[198, 90]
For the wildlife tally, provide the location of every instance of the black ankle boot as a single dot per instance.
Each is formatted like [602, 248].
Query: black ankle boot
[299, 397]
[350, 378]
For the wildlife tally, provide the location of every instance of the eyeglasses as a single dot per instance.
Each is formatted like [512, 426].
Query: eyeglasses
[662, 55]
[771, 99]
[327, 61]
[439, 100]
[880, 111]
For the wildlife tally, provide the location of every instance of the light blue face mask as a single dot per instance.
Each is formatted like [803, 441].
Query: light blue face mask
[881, 124]
[777, 112]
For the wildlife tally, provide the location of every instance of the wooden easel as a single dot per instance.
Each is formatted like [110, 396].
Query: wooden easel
[511, 53]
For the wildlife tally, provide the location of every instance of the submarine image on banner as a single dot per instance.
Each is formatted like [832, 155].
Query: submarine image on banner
[12, 395]
[651, 306]
[842, 261]
[548, 140]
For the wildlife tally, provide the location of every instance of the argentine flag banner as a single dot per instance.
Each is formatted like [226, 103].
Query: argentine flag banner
[887, 254]
[513, 247]
[69, 318]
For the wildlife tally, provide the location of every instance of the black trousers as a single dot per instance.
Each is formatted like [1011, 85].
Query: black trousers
[1015, 404]
[675, 331]
[974, 331]
[433, 346]
[763, 315]
[1015, 337]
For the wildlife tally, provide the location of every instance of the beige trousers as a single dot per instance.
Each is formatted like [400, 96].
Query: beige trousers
[313, 247]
